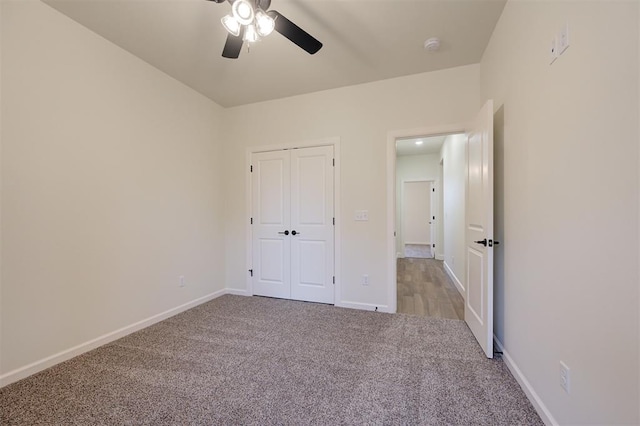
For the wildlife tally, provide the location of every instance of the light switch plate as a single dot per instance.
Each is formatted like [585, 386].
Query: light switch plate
[563, 39]
[362, 215]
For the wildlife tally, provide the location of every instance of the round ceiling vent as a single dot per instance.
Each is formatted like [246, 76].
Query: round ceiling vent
[432, 44]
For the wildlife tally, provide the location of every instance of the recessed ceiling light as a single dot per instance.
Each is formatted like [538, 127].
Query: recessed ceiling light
[419, 142]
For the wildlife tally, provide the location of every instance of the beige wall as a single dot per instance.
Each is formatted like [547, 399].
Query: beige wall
[110, 191]
[454, 196]
[568, 177]
[361, 116]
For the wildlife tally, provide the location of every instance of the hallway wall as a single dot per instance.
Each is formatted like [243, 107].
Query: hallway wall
[567, 213]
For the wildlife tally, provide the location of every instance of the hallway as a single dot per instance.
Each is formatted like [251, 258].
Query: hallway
[425, 289]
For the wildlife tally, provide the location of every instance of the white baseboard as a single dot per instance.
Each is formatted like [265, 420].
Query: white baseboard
[419, 243]
[537, 403]
[50, 361]
[439, 256]
[237, 292]
[455, 279]
[362, 306]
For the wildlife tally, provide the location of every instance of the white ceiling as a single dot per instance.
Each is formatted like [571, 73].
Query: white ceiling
[364, 40]
[430, 145]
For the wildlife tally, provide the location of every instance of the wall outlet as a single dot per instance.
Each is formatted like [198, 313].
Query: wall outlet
[565, 377]
[365, 280]
[181, 282]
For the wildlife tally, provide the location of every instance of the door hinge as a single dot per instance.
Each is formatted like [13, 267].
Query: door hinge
[334, 162]
[251, 272]
[433, 189]
[334, 279]
[251, 221]
[251, 169]
[434, 218]
[334, 220]
[434, 246]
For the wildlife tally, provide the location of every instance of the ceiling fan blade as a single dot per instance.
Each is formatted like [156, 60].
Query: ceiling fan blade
[233, 46]
[263, 4]
[294, 33]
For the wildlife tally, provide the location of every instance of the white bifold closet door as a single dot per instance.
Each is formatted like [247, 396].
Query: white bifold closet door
[292, 198]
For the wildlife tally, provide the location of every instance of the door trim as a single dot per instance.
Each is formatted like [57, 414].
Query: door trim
[392, 136]
[337, 256]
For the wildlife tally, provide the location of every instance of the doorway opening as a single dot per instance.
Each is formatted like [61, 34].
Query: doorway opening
[429, 194]
[475, 146]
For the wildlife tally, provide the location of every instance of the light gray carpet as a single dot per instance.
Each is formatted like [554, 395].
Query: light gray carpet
[250, 360]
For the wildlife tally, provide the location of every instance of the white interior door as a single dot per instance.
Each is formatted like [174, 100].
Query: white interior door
[312, 229]
[293, 231]
[416, 212]
[478, 308]
[271, 210]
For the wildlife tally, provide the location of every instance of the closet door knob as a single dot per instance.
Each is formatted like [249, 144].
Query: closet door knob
[285, 232]
[294, 232]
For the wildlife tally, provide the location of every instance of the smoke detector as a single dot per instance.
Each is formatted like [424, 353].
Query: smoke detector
[432, 44]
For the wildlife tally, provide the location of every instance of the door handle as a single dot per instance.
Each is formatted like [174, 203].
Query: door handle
[294, 232]
[285, 232]
[483, 242]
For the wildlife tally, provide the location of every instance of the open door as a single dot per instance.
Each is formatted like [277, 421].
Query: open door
[478, 306]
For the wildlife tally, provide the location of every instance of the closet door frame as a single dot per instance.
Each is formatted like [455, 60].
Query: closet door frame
[335, 142]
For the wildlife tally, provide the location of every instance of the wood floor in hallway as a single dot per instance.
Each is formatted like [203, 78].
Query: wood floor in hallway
[425, 289]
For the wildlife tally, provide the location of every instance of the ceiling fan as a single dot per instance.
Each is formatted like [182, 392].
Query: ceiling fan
[250, 20]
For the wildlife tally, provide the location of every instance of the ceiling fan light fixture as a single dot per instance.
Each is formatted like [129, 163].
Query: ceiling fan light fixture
[243, 12]
[264, 24]
[231, 24]
[250, 34]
